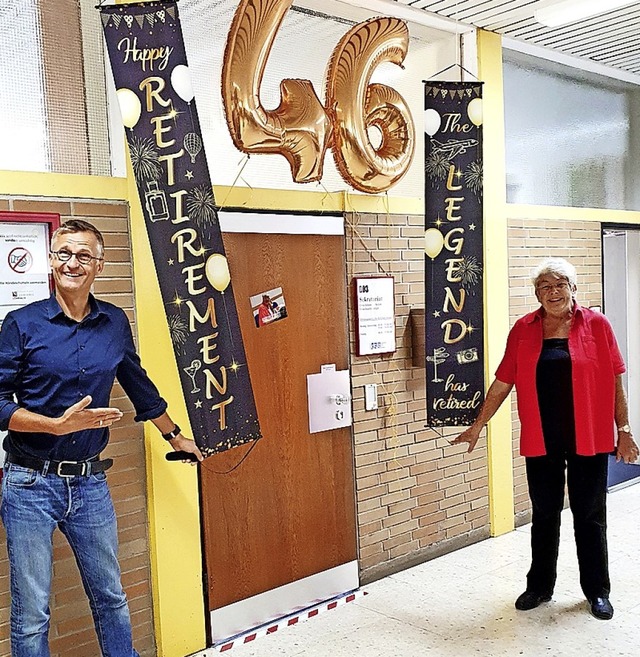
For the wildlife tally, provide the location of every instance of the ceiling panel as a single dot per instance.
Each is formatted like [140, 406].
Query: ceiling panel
[611, 39]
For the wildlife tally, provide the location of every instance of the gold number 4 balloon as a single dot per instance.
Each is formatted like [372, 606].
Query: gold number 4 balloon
[301, 128]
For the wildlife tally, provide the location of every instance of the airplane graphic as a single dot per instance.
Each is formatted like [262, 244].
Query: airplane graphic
[449, 149]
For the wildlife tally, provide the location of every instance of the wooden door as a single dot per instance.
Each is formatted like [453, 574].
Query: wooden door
[288, 511]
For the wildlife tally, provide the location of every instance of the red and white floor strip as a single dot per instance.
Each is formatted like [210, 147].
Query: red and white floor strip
[286, 621]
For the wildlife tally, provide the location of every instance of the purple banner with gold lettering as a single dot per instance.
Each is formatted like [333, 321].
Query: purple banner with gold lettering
[453, 252]
[156, 99]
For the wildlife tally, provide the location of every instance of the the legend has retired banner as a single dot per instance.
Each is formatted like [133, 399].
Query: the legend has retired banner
[453, 248]
[158, 110]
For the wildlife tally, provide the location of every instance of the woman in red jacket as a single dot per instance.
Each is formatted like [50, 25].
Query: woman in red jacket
[567, 369]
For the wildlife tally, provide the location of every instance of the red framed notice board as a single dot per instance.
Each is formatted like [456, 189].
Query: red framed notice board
[375, 315]
[25, 275]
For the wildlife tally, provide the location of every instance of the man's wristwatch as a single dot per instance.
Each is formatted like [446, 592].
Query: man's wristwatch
[174, 433]
[625, 428]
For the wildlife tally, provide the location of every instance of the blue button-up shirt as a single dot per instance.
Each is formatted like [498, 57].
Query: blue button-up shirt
[49, 362]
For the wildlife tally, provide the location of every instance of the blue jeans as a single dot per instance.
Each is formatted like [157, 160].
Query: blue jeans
[32, 507]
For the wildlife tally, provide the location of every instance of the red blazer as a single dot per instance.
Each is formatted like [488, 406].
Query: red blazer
[595, 362]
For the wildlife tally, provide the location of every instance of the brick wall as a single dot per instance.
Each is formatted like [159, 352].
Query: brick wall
[530, 241]
[416, 496]
[71, 623]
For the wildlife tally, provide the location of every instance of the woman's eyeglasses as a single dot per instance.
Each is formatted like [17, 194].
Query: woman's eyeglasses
[561, 287]
[83, 258]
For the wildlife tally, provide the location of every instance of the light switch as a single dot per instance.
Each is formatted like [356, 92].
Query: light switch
[371, 397]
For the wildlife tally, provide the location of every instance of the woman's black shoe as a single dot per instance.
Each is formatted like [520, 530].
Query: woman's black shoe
[530, 600]
[601, 608]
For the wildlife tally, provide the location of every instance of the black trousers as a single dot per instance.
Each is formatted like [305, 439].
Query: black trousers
[587, 485]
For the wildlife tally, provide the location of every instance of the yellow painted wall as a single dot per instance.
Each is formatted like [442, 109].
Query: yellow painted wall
[561, 213]
[496, 306]
[21, 183]
[173, 498]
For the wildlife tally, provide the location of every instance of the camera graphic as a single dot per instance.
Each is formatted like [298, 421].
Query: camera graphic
[467, 356]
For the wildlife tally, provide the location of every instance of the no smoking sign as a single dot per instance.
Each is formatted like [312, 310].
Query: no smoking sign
[20, 260]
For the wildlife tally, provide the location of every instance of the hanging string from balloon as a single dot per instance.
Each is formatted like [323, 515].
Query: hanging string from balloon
[356, 232]
[242, 164]
[327, 193]
[348, 205]
[391, 409]
[207, 467]
[387, 210]
[456, 18]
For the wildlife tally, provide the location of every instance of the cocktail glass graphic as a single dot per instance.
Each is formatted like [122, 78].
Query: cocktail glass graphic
[191, 372]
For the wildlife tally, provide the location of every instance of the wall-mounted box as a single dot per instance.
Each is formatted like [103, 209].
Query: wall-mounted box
[418, 337]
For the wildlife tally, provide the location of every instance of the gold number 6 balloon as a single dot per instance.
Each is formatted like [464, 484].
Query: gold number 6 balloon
[357, 106]
[301, 129]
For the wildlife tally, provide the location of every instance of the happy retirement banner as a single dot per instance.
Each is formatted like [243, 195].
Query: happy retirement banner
[158, 110]
[454, 254]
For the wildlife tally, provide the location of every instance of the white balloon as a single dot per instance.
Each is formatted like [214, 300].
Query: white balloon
[130, 107]
[181, 82]
[474, 110]
[433, 242]
[217, 271]
[432, 121]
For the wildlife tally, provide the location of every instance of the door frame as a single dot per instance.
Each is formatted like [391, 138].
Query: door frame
[235, 619]
[621, 475]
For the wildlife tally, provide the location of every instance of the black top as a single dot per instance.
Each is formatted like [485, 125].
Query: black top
[555, 396]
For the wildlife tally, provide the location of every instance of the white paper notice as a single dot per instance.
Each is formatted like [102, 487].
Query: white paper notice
[24, 265]
[376, 315]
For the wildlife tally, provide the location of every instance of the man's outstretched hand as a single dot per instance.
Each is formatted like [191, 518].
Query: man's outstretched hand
[78, 417]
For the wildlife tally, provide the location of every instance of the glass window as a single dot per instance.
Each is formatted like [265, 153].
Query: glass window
[571, 136]
[22, 114]
[53, 115]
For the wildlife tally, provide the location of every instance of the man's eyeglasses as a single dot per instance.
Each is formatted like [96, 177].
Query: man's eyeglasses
[83, 258]
[561, 287]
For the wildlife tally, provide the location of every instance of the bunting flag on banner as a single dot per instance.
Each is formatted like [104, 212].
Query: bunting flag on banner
[156, 99]
[453, 252]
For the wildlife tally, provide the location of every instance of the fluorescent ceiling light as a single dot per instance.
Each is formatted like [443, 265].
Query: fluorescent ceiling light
[570, 11]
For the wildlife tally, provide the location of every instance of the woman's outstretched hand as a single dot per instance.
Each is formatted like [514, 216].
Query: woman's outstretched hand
[470, 436]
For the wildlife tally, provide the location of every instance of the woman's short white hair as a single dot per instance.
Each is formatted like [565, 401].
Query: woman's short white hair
[556, 267]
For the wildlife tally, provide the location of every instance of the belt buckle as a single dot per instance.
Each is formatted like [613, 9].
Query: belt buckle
[68, 476]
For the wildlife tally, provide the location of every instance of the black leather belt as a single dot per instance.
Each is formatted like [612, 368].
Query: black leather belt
[61, 468]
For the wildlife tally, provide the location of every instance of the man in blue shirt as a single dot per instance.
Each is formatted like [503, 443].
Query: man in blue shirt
[58, 362]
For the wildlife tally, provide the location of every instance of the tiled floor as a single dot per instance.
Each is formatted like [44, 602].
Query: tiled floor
[462, 605]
